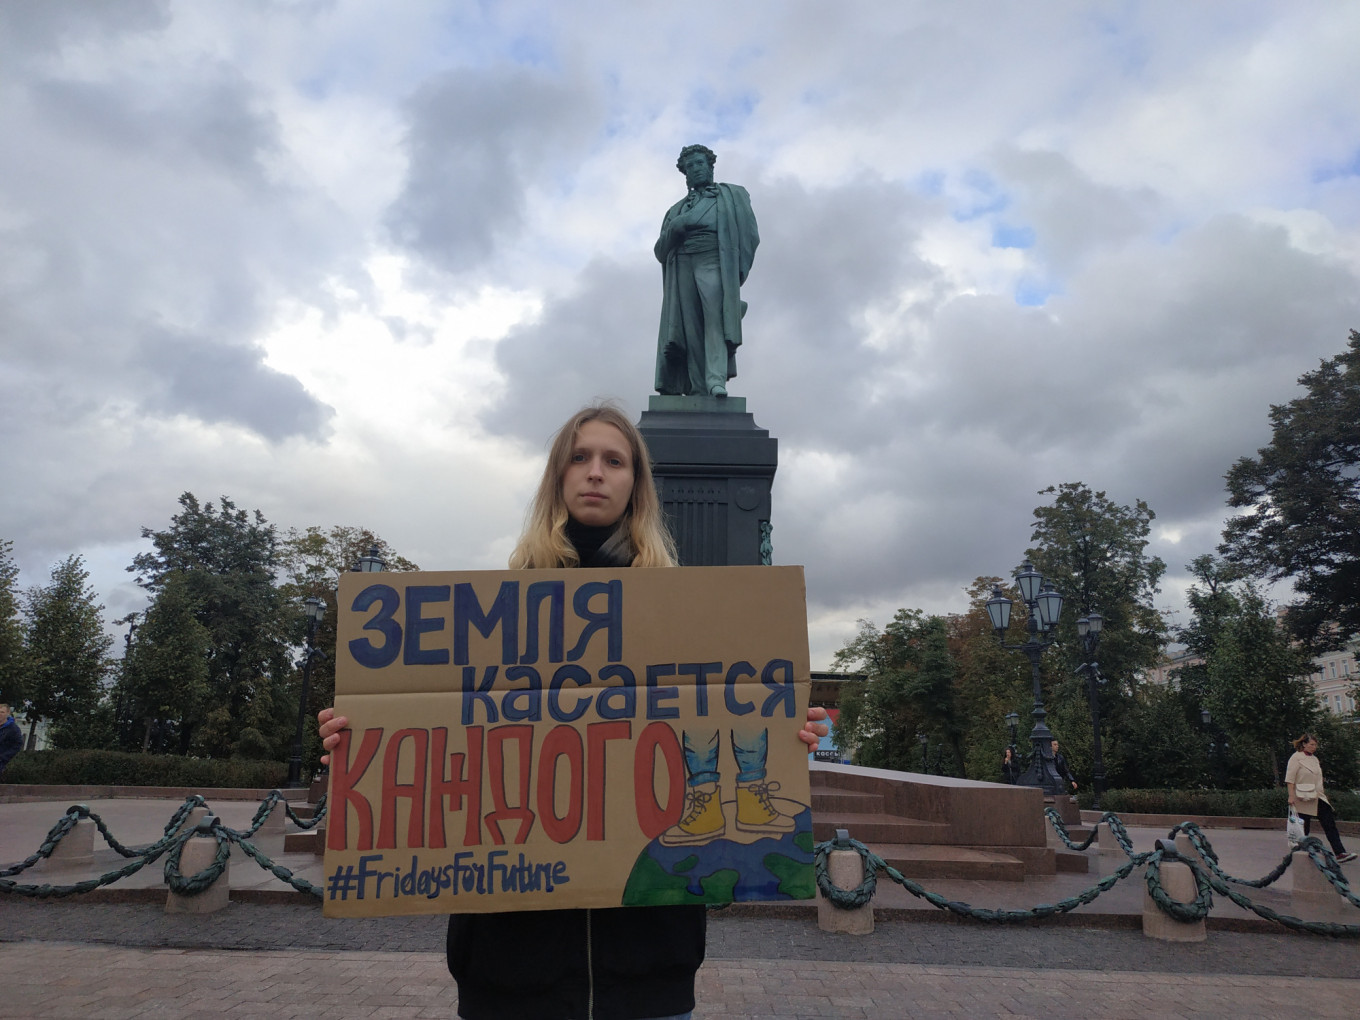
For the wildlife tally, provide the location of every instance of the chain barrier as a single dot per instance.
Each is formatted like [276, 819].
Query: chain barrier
[1209, 875]
[171, 843]
[1209, 878]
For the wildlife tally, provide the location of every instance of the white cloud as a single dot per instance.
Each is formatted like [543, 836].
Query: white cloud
[352, 263]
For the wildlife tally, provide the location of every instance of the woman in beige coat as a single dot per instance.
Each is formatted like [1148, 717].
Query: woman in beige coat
[1303, 778]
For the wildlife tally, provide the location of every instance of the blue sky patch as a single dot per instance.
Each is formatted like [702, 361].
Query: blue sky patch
[1004, 236]
[1331, 172]
[1033, 293]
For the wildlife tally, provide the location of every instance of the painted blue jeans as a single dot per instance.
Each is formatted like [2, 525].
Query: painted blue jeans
[701, 756]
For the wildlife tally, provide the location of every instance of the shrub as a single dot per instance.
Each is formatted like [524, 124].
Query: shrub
[251, 745]
[1268, 803]
[120, 768]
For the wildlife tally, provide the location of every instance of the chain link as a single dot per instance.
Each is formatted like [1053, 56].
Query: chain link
[1208, 880]
[172, 842]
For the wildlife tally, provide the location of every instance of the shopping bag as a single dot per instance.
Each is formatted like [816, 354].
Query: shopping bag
[1294, 827]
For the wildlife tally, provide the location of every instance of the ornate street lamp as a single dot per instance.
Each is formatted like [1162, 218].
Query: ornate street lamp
[1088, 630]
[1013, 721]
[316, 609]
[1044, 603]
[372, 563]
[925, 746]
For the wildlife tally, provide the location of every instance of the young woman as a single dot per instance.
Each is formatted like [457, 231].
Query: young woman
[596, 506]
[1303, 779]
[1010, 767]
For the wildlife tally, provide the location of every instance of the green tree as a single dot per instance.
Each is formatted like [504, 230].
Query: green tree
[165, 672]
[310, 564]
[67, 649]
[11, 629]
[1253, 678]
[907, 689]
[989, 683]
[1302, 496]
[1094, 551]
[227, 558]
[1165, 746]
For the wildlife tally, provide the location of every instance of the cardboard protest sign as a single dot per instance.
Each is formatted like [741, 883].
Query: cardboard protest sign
[536, 739]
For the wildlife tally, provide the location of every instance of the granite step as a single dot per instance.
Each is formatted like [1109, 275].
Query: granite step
[922, 861]
[875, 827]
[828, 801]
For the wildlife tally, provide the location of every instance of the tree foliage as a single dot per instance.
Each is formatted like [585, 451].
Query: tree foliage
[1302, 496]
[165, 672]
[227, 559]
[1253, 678]
[310, 565]
[11, 628]
[67, 649]
[1094, 551]
[906, 690]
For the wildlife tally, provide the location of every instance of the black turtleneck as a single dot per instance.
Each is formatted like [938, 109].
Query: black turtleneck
[588, 539]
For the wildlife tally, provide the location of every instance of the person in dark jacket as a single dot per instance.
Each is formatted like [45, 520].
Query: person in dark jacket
[596, 506]
[1060, 766]
[1010, 766]
[11, 737]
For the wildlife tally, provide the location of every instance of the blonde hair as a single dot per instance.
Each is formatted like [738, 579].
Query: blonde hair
[1298, 744]
[640, 537]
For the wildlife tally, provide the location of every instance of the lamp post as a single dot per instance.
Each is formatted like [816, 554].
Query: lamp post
[370, 564]
[1045, 606]
[925, 746]
[1088, 630]
[316, 609]
[1218, 745]
[1013, 721]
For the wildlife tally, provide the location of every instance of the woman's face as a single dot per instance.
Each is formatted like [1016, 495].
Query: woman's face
[1310, 746]
[598, 482]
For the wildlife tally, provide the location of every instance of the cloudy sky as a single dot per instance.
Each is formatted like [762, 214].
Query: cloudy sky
[351, 263]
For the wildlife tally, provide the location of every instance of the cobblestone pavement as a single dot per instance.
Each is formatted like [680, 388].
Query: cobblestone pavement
[68, 980]
[262, 927]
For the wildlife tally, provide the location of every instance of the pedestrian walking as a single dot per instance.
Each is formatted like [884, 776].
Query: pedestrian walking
[1303, 779]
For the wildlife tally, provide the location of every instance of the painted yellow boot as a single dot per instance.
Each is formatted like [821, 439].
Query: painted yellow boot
[703, 818]
[756, 812]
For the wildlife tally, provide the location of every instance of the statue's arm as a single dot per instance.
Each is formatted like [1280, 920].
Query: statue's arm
[673, 230]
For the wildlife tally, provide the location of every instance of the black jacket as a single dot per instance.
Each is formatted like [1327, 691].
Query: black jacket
[11, 741]
[625, 962]
[621, 963]
[1060, 767]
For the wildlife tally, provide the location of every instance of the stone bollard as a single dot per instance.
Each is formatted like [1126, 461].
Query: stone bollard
[274, 823]
[1185, 848]
[1313, 898]
[845, 869]
[192, 819]
[1110, 855]
[1178, 882]
[198, 854]
[76, 849]
[1106, 844]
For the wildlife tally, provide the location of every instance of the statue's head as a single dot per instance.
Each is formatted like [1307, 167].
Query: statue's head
[696, 163]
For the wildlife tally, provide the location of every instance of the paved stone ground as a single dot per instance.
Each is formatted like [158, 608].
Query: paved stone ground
[250, 927]
[73, 980]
